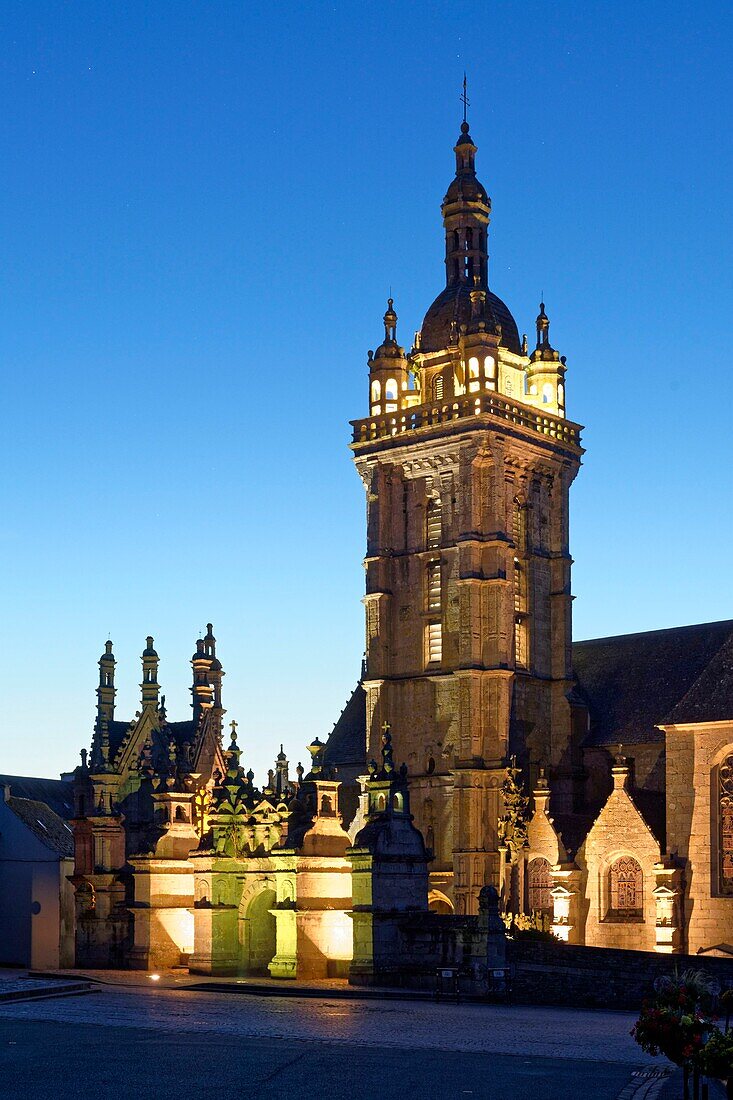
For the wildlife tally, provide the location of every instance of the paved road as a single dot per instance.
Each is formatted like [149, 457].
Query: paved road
[169, 1043]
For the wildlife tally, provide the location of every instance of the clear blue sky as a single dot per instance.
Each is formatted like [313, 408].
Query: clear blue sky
[203, 208]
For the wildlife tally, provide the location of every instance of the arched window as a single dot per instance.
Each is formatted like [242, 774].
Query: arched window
[376, 390]
[539, 885]
[398, 803]
[547, 393]
[456, 240]
[473, 374]
[560, 395]
[438, 388]
[469, 238]
[433, 524]
[390, 390]
[181, 814]
[626, 889]
[725, 825]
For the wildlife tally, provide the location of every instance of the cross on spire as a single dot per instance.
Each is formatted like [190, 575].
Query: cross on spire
[465, 100]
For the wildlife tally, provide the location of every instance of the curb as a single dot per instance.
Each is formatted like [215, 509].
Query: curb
[70, 989]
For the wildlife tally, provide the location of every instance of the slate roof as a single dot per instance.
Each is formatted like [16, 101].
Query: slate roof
[630, 684]
[454, 304]
[182, 731]
[633, 682]
[346, 744]
[710, 699]
[47, 826]
[58, 794]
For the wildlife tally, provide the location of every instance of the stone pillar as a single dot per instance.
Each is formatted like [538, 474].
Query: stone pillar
[566, 903]
[667, 897]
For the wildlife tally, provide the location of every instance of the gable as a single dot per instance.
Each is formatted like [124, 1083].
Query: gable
[631, 683]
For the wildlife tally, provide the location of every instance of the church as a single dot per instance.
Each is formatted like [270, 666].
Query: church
[590, 784]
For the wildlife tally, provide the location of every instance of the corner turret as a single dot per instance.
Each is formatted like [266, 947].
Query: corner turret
[150, 687]
[546, 370]
[389, 371]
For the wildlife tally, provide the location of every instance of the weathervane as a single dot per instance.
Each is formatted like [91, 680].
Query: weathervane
[464, 99]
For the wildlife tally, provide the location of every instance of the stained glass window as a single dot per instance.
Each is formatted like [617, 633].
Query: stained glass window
[725, 802]
[627, 888]
[539, 885]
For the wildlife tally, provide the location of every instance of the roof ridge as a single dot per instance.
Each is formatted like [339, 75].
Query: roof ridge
[651, 633]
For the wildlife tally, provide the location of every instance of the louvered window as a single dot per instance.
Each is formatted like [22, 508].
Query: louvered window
[433, 585]
[434, 643]
[433, 525]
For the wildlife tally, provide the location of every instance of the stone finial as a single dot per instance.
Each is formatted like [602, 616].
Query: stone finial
[387, 760]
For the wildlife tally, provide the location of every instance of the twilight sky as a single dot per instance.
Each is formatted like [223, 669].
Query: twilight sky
[203, 207]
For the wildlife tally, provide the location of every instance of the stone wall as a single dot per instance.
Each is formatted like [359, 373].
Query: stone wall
[694, 755]
[596, 977]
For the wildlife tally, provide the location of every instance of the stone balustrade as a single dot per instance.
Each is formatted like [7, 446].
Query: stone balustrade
[483, 404]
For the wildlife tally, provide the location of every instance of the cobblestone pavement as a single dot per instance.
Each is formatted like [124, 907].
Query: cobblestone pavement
[159, 1042]
[548, 1032]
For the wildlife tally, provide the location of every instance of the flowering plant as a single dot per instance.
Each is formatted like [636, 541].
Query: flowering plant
[670, 1030]
[716, 1057]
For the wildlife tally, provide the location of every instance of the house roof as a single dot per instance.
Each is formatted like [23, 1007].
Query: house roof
[58, 794]
[633, 682]
[45, 825]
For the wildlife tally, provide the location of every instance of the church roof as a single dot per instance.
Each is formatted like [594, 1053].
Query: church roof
[181, 731]
[710, 699]
[454, 304]
[347, 743]
[58, 794]
[633, 682]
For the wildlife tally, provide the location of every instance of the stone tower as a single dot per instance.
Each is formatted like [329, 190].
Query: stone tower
[467, 459]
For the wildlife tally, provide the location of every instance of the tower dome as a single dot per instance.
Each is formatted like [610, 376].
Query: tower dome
[452, 308]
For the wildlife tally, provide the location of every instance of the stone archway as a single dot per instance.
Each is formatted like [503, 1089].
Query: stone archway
[258, 930]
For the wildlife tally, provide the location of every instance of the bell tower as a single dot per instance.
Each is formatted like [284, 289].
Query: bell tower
[467, 466]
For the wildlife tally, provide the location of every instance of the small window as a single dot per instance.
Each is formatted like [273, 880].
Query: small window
[520, 641]
[390, 390]
[560, 394]
[434, 643]
[433, 586]
[433, 525]
[490, 366]
[376, 390]
[439, 388]
[547, 393]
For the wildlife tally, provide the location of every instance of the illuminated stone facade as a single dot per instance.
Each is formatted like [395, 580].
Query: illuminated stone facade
[589, 785]
[467, 460]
